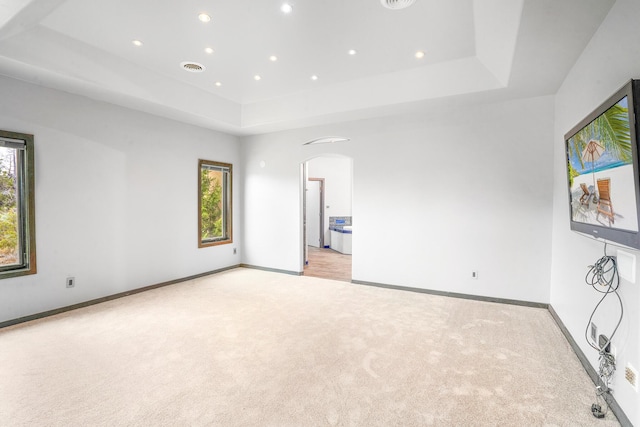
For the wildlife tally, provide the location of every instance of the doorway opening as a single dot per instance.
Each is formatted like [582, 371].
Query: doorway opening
[327, 183]
[315, 212]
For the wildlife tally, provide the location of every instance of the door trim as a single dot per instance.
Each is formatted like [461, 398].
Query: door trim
[321, 181]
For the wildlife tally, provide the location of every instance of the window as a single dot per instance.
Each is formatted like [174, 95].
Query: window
[17, 209]
[214, 203]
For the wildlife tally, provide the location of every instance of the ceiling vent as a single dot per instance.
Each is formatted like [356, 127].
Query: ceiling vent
[397, 4]
[192, 67]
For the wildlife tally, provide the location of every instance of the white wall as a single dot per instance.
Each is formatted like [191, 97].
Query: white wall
[435, 196]
[337, 174]
[608, 62]
[116, 198]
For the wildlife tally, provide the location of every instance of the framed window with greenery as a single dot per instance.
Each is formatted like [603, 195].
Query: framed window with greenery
[17, 206]
[214, 203]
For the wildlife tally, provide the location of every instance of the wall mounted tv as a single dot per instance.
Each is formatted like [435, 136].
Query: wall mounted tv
[602, 170]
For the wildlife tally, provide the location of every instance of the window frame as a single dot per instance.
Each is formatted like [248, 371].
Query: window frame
[227, 201]
[26, 205]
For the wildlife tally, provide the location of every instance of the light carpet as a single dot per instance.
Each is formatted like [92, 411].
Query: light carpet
[253, 348]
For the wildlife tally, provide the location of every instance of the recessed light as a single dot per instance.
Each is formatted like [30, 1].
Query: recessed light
[204, 17]
[273, 58]
[137, 43]
[286, 8]
[218, 84]
[314, 77]
[352, 52]
[257, 77]
[208, 50]
[419, 54]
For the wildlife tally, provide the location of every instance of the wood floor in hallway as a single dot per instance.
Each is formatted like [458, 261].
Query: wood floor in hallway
[328, 264]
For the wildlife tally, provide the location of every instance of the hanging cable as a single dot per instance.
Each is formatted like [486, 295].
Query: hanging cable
[603, 277]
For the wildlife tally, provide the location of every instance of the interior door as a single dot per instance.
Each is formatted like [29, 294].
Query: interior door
[313, 213]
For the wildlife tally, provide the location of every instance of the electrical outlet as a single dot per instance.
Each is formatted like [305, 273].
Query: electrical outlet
[474, 274]
[71, 282]
[613, 351]
[235, 251]
[594, 333]
[604, 344]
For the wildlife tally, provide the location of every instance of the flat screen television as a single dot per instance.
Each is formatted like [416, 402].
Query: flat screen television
[602, 170]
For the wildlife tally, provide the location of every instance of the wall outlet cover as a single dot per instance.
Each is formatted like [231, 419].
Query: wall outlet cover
[626, 263]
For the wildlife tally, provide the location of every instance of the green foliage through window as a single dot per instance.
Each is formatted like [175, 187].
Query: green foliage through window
[17, 217]
[214, 203]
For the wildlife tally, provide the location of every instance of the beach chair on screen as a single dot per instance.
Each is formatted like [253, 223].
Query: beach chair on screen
[604, 199]
[584, 199]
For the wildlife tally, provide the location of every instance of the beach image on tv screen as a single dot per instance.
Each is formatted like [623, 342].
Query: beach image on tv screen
[601, 177]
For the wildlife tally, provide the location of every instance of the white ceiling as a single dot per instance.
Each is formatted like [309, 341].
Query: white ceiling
[474, 50]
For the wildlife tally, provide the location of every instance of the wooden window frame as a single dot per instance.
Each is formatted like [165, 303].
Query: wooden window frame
[25, 204]
[227, 204]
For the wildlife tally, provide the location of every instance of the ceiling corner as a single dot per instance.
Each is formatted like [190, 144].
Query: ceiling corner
[497, 23]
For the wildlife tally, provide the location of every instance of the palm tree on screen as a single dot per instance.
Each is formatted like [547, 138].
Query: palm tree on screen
[611, 129]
